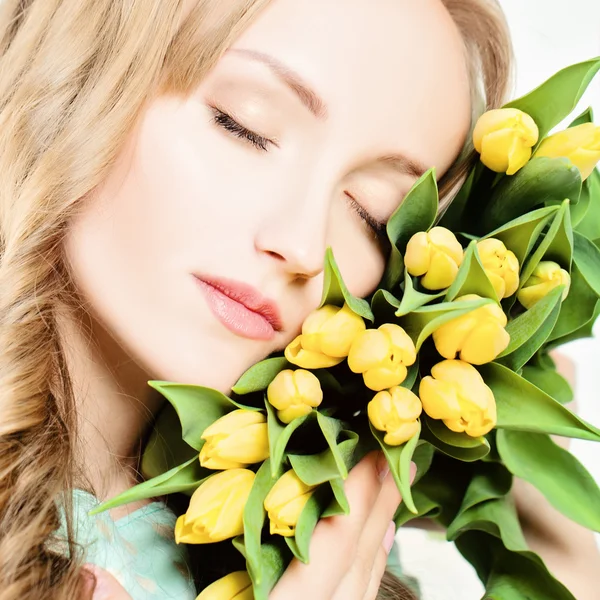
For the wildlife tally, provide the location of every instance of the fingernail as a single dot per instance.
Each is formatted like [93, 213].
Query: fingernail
[382, 466]
[413, 471]
[390, 535]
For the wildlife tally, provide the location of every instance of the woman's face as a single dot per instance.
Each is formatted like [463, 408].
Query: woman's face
[202, 252]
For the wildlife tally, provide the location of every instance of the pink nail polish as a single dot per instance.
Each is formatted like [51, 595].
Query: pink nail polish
[390, 535]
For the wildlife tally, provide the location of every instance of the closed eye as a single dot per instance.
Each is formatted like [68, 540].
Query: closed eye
[228, 123]
[376, 227]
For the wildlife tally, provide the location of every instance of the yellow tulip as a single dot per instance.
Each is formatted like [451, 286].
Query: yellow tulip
[546, 276]
[327, 334]
[236, 440]
[285, 502]
[235, 586]
[504, 138]
[501, 266]
[294, 394]
[382, 355]
[436, 254]
[456, 393]
[216, 508]
[395, 411]
[580, 144]
[477, 337]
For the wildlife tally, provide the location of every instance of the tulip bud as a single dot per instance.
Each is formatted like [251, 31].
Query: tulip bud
[580, 144]
[436, 254]
[236, 440]
[235, 586]
[478, 337]
[395, 411]
[501, 266]
[382, 355]
[504, 138]
[285, 502]
[216, 508]
[456, 393]
[546, 276]
[294, 394]
[327, 334]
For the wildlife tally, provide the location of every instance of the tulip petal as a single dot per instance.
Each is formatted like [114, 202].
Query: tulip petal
[442, 272]
[402, 434]
[443, 239]
[369, 350]
[518, 156]
[234, 586]
[385, 377]
[417, 256]
[485, 343]
[439, 398]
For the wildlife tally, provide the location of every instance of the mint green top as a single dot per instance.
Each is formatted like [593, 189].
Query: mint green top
[139, 550]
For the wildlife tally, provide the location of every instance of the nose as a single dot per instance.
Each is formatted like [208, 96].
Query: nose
[295, 233]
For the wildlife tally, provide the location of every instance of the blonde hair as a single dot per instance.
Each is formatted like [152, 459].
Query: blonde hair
[74, 76]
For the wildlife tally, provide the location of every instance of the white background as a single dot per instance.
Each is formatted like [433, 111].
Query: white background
[547, 36]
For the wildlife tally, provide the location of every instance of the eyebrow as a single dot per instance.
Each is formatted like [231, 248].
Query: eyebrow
[313, 102]
[305, 93]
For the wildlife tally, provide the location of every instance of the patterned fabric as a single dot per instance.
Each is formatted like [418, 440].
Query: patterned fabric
[138, 549]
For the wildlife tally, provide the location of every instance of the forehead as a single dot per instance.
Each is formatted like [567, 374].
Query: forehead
[392, 73]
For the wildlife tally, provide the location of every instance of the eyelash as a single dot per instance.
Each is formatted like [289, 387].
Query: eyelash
[378, 228]
[225, 121]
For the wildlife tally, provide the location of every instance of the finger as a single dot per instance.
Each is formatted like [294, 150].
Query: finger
[334, 541]
[377, 531]
[380, 563]
[107, 587]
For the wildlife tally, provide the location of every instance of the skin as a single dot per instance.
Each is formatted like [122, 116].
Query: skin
[186, 196]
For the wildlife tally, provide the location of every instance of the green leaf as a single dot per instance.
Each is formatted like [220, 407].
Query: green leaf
[255, 517]
[509, 575]
[339, 504]
[523, 407]
[314, 469]
[585, 331]
[520, 234]
[471, 277]
[556, 473]
[556, 98]
[275, 559]
[166, 448]
[589, 226]
[422, 457]
[399, 459]
[547, 250]
[530, 330]
[587, 258]
[412, 299]
[335, 291]
[309, 517]
[384, 306]
[462, 453]
[197, 407]
[279, 436]
[577, 309]
[417, 212]
[331, 429]
[541, 181]
[259, 376]
[551, 382]
[454, 215]
[183, 478]
[421, 323]
[497, 517]
[489, 481]
[453, 438]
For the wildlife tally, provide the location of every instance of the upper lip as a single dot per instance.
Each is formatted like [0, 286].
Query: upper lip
[248, 296]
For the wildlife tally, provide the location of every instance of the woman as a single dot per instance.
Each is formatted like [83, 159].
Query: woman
[172, 173]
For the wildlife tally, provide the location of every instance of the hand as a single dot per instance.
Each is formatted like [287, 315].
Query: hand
[107, 587]
[348, 554]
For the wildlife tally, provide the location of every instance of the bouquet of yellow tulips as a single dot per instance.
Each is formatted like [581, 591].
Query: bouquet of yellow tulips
[447, 364]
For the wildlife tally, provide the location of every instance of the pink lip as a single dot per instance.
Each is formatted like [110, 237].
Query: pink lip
[240, 307]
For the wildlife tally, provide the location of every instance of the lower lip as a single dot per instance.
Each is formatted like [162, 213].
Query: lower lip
[235, 316]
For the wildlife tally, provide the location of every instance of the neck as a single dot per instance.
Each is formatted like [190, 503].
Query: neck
[115, 407]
